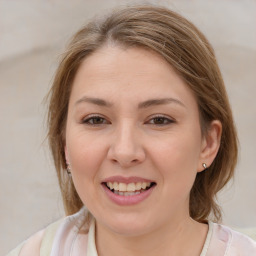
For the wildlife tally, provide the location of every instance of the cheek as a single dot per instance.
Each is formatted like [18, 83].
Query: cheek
[177, 152]
[176, 158]
[86, 155]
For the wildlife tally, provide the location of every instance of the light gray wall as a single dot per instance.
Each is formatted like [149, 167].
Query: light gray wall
[33, 34]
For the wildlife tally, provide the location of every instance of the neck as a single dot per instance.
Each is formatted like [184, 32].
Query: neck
[181, 238]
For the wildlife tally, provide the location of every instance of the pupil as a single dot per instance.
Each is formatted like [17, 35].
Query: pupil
[98, 120]
[159, 120]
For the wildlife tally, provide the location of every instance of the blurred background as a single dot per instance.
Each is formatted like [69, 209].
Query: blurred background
[32, 36]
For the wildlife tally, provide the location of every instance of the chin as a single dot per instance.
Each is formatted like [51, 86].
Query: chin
[127, 226]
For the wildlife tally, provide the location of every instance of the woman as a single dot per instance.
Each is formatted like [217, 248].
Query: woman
[142, 134]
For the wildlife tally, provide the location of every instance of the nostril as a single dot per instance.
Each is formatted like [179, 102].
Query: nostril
[125, 162]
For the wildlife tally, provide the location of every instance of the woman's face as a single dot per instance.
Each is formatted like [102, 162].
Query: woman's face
[133, 127]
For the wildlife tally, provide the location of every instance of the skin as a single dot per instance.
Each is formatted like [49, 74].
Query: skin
[129, 139]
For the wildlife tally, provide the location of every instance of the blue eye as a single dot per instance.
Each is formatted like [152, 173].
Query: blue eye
[160, 120]
[95, 120]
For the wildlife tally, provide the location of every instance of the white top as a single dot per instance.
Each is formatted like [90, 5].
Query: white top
[69, 237]
[91, 245]
[72, 240]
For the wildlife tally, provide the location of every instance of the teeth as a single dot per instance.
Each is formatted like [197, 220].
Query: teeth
[128, 193]
[115, 185]
[122, 187]
[110, 185]
[138, 186]
[130, 187]
[144, 185]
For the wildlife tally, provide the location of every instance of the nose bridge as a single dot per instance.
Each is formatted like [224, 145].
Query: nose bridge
[125, 147]
[125, 133]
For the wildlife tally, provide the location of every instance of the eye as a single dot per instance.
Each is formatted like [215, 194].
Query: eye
[160, 120]
[95, 120]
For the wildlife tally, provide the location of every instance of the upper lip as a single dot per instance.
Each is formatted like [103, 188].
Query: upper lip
[126, 180]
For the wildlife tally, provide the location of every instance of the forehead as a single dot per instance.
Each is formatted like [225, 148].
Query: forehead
[119, 73]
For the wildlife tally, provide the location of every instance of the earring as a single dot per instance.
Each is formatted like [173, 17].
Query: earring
[68, 170]
[204, 165]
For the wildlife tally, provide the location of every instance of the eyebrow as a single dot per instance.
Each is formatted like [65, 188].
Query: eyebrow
[144, 104]
[155, 102]
[96, 101]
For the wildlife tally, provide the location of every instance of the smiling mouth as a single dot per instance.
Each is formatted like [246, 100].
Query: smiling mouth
[130, 189]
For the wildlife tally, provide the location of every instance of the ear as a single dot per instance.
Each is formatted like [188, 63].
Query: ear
[66, 154]
[210, 145]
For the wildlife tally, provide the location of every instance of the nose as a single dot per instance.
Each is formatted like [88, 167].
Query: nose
[125, 147]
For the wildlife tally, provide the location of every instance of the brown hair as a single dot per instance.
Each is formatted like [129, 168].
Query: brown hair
[187, 50]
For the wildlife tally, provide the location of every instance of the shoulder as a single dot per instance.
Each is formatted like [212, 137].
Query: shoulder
[32, 245]
[236, 243]
[51, 240]
[37, 243]
[29, 247]
[242, 243]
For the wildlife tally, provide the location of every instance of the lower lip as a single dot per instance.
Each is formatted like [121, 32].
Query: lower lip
[128, 200]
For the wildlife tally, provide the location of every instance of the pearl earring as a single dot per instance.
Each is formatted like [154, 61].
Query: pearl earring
[68, 170]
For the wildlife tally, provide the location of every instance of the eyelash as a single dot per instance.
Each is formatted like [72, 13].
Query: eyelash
[165, 120]
[94, 117]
